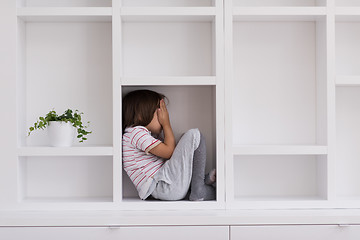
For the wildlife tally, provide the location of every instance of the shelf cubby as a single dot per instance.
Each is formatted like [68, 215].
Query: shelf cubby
[183, 46]
[66, 179]
[189, 107]
[347, 142]
[64, 3]
[278, 86]
[280, 177]
[78, 75]
[347, 47]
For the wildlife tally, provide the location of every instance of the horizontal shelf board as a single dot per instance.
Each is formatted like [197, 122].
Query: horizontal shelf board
[354, 198]
[96, 14]
[278, 203]
[66, 151]
[136, 203]
[279, 150]
[67, 200]
[168, 11]
[155, 81]
[347, 80]
[288, 11]
[167, 18]
[278, 198]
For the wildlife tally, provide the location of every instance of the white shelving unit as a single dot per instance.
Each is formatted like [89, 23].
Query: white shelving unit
[273, 85]
[102, 50]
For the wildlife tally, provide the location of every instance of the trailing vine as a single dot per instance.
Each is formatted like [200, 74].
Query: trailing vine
[74, 117]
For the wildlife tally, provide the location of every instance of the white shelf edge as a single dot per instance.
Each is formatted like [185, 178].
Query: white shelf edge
[174, 81]
[63, 11]
[279, 204]
[279, 150]
[77, 200]
[101, 14]
[137, 204]
[65, 151]
[347, 80]
[279, 11]
[168, 11]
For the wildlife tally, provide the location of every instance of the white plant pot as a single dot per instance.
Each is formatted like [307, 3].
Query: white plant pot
[61, 134]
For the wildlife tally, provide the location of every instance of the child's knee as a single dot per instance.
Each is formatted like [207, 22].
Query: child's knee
[194, 133]
[195, 136]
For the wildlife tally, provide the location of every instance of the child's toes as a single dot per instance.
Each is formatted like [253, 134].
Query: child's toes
[210, 178]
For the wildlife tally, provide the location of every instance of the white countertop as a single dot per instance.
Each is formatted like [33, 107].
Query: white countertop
[171, 218]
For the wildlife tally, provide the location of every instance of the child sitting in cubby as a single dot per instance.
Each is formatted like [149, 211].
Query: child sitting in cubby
[162, 169]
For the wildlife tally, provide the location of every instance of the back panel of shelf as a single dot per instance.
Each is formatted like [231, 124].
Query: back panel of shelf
[280, 177]
[171, 48]
[65, 65]
[347, 3]
[348, 140]
[279, 3]
[347, 48]
[64, 3]
[66, 179]
[279, 83]
[189, 107]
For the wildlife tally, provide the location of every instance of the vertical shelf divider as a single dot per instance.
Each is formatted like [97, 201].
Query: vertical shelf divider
[117, 71]
[229, 158]
[219, 98]
[331, 116]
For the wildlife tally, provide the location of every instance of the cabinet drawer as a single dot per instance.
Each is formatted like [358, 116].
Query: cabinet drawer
[175, 233]
[289, 232]
[123, 233]
[56, 233]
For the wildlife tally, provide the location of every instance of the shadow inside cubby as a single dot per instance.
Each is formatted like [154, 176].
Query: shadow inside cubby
[189, 107]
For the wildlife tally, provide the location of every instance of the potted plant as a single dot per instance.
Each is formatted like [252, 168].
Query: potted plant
[62, 129]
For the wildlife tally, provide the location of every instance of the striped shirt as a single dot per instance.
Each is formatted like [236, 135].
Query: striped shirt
[139, 164]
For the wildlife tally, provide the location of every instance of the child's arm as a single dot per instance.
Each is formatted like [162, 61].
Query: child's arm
[166, 149]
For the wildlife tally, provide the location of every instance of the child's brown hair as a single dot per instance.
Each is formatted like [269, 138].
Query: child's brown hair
[138, 107]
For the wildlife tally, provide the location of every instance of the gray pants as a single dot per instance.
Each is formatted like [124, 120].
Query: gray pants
[173, 179]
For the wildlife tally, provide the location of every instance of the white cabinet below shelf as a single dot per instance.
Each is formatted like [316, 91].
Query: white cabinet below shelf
[295, 232]
[112, 233]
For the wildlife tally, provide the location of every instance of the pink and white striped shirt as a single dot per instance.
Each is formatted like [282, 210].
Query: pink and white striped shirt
[138, 163]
